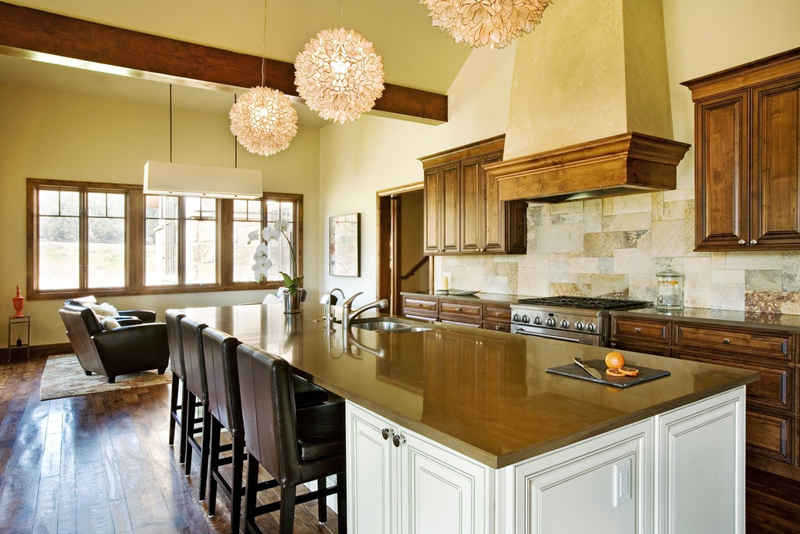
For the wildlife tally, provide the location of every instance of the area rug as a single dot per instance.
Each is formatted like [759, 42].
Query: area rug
[64, 377]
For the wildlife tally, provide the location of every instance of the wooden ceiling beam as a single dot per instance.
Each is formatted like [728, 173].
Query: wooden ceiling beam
[32, 33]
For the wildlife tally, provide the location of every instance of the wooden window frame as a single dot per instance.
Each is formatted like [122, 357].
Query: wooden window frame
[135, 245]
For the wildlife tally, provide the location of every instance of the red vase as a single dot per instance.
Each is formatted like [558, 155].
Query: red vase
[19, 300]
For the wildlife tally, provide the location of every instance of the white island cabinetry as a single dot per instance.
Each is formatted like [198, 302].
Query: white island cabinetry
[399, 481]
[677, 472]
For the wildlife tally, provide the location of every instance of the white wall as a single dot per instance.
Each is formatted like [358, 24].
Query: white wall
[64, 136]
[374, 153]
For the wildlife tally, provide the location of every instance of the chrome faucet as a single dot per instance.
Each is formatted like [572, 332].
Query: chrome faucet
[329, 299]
[348, 316]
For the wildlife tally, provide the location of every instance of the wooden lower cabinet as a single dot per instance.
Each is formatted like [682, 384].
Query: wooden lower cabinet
[772, 407]
[490, 316]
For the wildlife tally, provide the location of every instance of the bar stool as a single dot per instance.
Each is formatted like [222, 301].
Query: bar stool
[294, 445]
[176, 411]
[197, 393]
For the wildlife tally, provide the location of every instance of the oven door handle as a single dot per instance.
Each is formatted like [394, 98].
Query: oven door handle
[556, 337]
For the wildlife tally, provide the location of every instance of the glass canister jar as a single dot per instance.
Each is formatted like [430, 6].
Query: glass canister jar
[669, 290]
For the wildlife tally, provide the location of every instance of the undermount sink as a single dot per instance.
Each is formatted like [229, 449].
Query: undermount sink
[387, 325]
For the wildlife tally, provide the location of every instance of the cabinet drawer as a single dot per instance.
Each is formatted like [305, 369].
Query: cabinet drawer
[774, 345]
[419, 306]
[640, 330]
[774, 390]
[499, 326]
[462, 309]
[497, 313]
[771, 436]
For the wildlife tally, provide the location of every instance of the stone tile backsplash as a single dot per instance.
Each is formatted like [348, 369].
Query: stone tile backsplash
[613, 247]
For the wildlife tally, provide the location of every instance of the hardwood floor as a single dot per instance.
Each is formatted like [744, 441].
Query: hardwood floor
[101, 463]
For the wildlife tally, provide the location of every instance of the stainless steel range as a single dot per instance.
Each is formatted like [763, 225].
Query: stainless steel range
[576, 319]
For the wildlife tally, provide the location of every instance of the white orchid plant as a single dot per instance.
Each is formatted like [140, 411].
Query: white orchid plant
[262, 264]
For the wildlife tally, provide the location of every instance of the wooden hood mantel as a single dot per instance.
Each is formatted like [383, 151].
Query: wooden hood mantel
[618, 165]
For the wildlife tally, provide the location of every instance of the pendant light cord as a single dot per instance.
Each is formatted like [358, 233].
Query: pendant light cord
[235, 142]
[170, 123]
[264, 49]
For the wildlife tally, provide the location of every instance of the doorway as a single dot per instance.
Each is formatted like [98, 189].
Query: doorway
[402, 264]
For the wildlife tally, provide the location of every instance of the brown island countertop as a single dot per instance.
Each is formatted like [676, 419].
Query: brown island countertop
[482, 393]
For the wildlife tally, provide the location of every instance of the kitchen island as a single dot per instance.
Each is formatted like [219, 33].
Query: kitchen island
[456, 430]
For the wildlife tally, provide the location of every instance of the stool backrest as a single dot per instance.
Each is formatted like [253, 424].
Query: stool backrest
[268, 412]
[222, 374]
[194, 364]
[175, 342]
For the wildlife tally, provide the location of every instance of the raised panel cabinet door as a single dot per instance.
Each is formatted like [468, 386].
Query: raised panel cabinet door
[441, 491]
[473, 206]
[371, 473]
[775, 176]
[433, 208]
[495, 229]
[721, 167]
[700, 467]
[601, 485]
[451, 207]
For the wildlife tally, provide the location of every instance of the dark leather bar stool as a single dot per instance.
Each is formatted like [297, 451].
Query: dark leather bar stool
[225, 409]
[295, 445]
[197, 394]
[176, 412]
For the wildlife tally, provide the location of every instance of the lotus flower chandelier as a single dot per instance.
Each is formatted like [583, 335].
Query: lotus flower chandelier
[339, 75]
[486, 22]
[264, 121]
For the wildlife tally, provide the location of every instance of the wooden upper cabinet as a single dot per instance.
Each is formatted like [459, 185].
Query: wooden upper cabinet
[775, 175]
[747, 161]
[463, 212]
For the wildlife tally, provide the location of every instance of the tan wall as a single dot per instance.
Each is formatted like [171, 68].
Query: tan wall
[66, 136]
[615, 246]
[360, 158]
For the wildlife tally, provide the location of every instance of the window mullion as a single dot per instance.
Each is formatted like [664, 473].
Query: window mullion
[83, 238]
[181, 241]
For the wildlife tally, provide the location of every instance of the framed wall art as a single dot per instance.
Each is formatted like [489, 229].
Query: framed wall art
[345, 245]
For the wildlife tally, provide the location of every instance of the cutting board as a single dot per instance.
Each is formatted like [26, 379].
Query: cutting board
[572, 370]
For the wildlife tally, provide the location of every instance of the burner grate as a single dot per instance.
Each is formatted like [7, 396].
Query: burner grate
[586, 303]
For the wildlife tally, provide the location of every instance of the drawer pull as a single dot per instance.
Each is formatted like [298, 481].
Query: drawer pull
[498, 327]
[726, 340]
[387, 433]
[637, 330]
[497, 314]
[458, 310]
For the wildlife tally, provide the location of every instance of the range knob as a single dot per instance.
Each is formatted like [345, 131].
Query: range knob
[516, 318]
[537, 320]
[579, 325]
[526, 319]
[550, 322]
[590, 327]
[564, 324]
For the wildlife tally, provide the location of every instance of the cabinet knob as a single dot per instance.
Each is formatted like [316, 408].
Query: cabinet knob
[497, 314]
[753, 242]
[398, 440]
[387, 433]
[742, 242]
[498, 327]
[726, 340]
[637, 330]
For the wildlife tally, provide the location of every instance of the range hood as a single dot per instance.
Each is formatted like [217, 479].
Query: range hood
[163, 178]
[590, 112]
[617, 165]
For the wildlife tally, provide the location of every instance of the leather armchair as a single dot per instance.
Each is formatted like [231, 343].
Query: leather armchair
[123, 350]
[124, 317]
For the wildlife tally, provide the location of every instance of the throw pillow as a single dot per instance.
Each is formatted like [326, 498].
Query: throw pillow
[103, 310]
[109, 323]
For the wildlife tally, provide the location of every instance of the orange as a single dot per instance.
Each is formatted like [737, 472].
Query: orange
[629, 371]
[615, 360]
[614, 372]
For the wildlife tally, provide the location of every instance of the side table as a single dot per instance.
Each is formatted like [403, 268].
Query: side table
[15, 323]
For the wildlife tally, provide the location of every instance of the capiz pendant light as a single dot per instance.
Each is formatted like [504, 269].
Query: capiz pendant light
[264, 121]
[339, 75]
[486, 22]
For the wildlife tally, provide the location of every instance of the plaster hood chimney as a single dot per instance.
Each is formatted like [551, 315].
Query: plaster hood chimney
[590, 107]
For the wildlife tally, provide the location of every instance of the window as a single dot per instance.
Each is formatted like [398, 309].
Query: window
[180, 240]
[249, 215]
[79, 235]
[110, 239]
